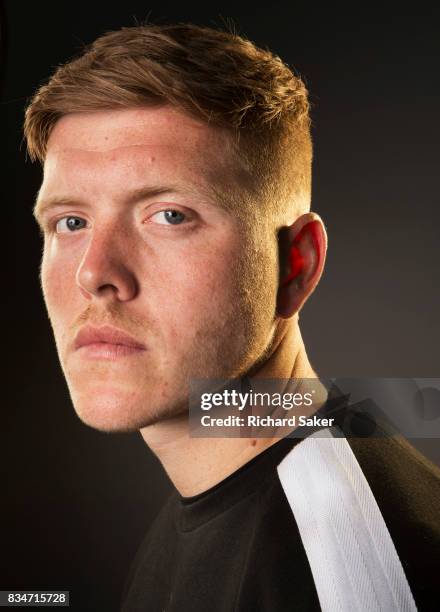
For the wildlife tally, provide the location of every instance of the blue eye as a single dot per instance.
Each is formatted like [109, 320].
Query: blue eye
[169, 217]
[70, 224]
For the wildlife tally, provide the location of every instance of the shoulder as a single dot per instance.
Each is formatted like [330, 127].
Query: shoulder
[406, 487]
[358, 502]
[398, 473]
[405, 484]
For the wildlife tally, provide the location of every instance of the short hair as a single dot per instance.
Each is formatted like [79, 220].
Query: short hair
[216, 76]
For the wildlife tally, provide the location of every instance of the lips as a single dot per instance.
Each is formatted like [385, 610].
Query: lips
[106, 342]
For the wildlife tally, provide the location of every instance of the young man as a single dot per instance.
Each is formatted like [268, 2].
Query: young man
[179, 245]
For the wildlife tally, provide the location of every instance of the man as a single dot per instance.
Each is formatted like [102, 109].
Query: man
[179, 245]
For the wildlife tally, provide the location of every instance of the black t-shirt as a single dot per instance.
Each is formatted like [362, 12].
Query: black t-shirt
[233, 547]
[237, 548]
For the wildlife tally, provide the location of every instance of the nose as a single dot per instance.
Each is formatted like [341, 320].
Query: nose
[105, 269]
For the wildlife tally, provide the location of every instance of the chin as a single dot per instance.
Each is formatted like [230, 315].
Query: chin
[121, 411]
[112, 410]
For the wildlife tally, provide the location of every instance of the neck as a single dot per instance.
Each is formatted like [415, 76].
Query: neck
[197, 464]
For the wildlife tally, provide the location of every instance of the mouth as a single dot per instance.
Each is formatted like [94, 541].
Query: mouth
[106, 342]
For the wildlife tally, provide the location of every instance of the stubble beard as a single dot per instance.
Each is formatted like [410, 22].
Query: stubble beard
[230, 346]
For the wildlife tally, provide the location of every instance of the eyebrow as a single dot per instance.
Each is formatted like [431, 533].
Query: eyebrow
[135, 196]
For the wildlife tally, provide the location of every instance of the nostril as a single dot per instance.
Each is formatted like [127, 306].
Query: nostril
[107, 288]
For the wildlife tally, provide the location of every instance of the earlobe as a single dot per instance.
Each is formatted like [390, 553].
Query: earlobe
[305, 255]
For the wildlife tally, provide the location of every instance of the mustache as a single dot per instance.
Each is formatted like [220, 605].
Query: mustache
[113, 315]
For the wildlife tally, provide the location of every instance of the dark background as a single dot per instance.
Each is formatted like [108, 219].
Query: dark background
[76, 502]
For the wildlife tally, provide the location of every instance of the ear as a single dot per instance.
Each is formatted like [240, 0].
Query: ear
[302, 248]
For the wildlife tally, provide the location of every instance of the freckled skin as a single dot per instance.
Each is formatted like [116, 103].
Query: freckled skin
[193, 294]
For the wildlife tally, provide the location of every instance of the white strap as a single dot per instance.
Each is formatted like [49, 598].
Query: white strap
[353, 560]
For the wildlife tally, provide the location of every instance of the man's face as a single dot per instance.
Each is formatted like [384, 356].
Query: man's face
[149, 277]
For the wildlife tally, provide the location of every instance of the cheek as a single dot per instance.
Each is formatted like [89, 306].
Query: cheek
[195, 289]
[58, 282]
[207, 277]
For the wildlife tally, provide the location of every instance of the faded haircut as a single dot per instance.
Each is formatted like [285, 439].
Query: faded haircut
[215, 76]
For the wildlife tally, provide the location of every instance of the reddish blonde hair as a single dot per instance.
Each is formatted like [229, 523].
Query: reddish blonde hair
[216, 76]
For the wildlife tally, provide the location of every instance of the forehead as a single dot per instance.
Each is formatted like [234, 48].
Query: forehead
[117, 146]
[110, 129]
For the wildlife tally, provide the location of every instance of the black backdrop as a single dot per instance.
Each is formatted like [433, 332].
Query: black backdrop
[76, 502]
